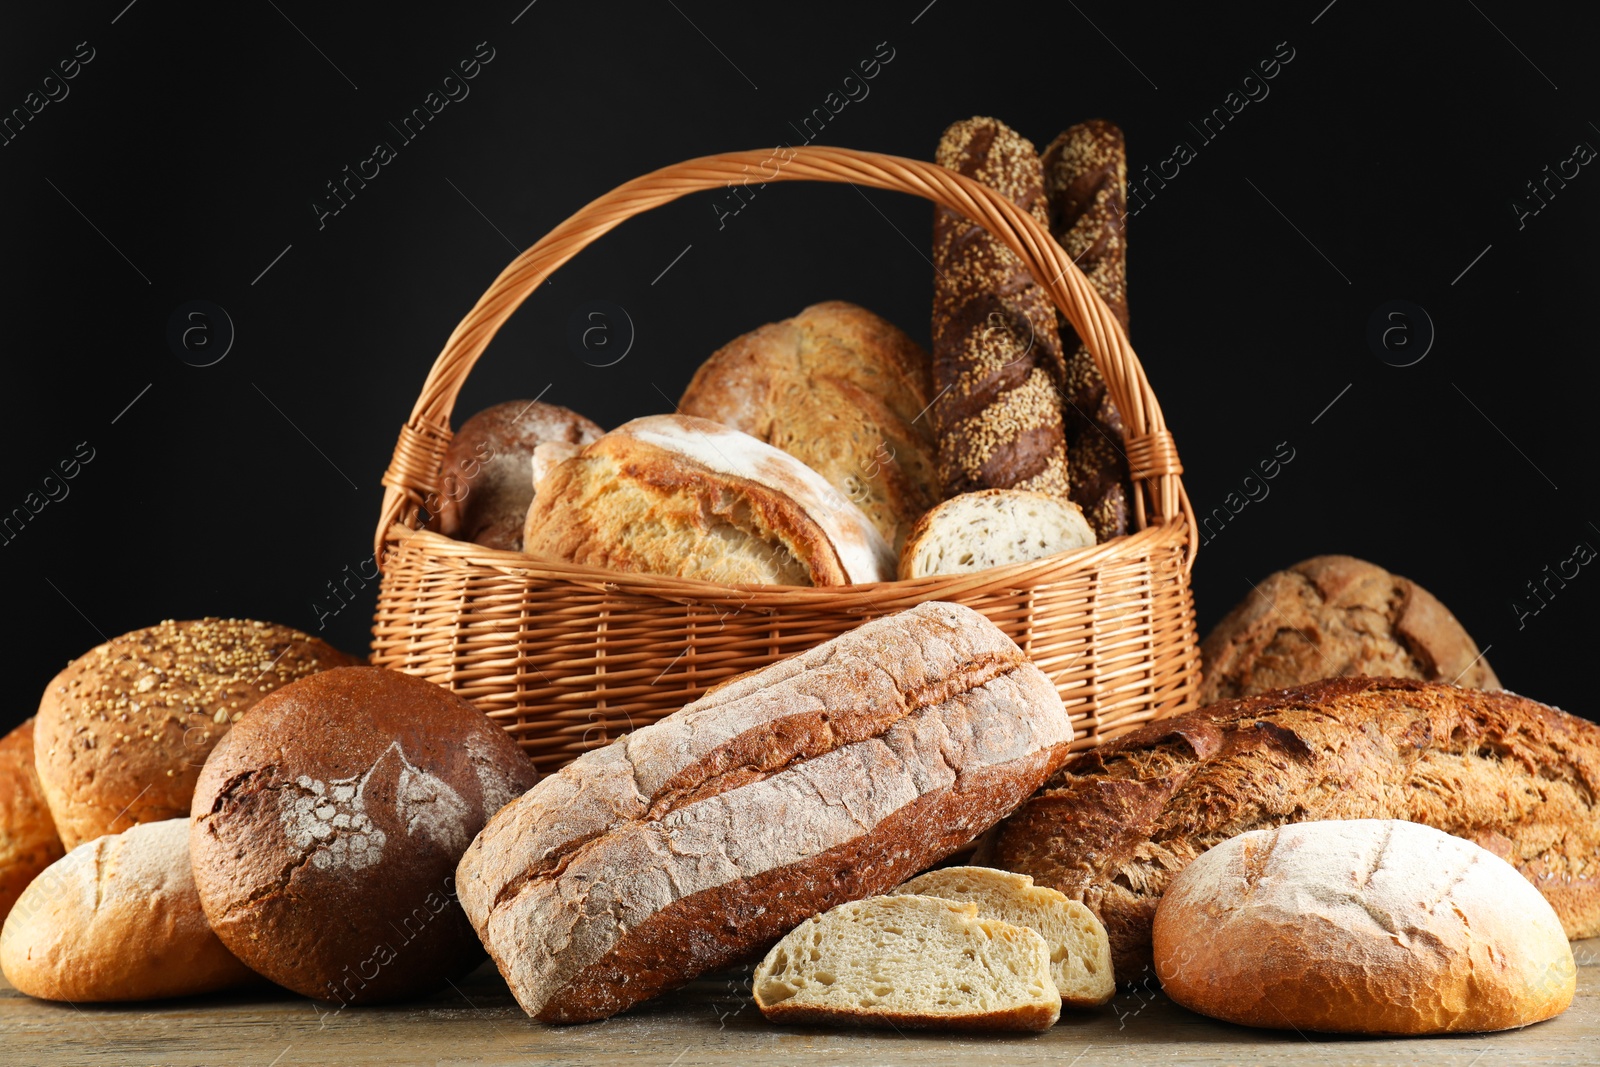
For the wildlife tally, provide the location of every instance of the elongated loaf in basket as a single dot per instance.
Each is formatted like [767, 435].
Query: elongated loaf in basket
[1119, 822]
[700, 840]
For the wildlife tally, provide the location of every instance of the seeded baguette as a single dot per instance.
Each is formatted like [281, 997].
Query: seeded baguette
[700, 840]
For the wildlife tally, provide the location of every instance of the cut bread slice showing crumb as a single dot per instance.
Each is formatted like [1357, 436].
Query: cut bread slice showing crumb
[989, 528]
[909, 961]
[1080, 952]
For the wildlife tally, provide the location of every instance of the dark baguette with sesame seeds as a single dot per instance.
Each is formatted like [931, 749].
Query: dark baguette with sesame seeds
[1085, 185]
[997, 363]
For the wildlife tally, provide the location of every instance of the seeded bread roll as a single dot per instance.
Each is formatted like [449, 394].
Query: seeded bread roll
[485, 488]
[123, 731]
[997, 364]
[1085, 183]
[327, 828]
[28, 839]
[1334, 616]
[844, 392]
[1366, 926]
[117, 919]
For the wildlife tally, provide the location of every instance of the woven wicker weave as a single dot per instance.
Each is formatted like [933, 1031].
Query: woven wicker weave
[567, 657]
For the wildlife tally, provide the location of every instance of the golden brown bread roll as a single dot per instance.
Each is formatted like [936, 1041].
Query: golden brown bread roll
[28, 839]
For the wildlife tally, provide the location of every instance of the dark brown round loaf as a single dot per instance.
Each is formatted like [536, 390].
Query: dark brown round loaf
[123, 731]
[28, 839]
[327, 828]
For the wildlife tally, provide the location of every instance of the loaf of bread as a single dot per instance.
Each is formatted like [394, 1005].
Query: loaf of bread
[117, 919]
[484, 482]
[997, 364]
[909, 962]
[28, 839]
[328, 826]
[1118, 822]
[691, 498]
[698, 841]
[990, 528]
[123, 731]
[1085, 185]
[1368, 926]
[1333, 616]
[1080, 954]
[844, 392]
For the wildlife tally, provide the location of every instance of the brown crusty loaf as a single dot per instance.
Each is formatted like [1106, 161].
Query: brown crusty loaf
[123, 731]
[700, 840]
[692, 498]
[328, 825]
[117, 919]
[1517, 777]
[1366, 926]
[1333, 616]
[28, 839]
[485, 482]
[997, 364]
[1085, 185]
[841, 390]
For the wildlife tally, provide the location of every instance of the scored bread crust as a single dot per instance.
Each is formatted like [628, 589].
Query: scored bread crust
[697, 841]
[684, 496]
[1117, 823]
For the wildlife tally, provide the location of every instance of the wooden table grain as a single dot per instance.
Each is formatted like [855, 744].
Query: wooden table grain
[475, 1021]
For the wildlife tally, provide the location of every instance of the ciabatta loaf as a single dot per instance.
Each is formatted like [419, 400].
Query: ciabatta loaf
[989, 528]
[1510, 774]
[1366, 926]
[909, 961]
[700, 840]
[691, 498]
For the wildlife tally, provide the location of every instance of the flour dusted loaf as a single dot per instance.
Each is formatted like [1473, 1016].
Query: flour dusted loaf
[1332, 616]
[1080, 954]
[691, 498]
[328, 826]
[485, 485]
[909, 961]
[1116, 824]
[990, 528]
[123, 731]
[700, 840]
[117, 919]
[1367, 926]
[843, 391]
[28, 839]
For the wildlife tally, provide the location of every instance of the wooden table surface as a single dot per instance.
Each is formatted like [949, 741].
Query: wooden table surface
[475, 1021]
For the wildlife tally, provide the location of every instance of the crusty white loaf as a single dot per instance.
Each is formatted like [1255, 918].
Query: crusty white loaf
[117, 918]
[990, 528]
[1361, 926]
[691, 498]
[909, 961]
[698, 841]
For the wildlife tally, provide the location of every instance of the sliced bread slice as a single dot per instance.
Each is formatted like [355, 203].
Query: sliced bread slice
[1080, 952]
[991, 527]
[909, 961]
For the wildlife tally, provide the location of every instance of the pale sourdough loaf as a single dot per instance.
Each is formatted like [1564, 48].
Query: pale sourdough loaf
[700, 840]
[997, 364]
[28, 839]
[691, 498]
[909, 962]
[1118, 822]
[1368, 926]
[992, 527]
[843, 391]
[117, 919]
[1080, 954]
[1332, 616]
[123, 731]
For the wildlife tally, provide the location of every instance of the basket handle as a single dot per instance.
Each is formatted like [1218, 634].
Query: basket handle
[1152, 456]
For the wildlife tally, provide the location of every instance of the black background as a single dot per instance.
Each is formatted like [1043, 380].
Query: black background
[189, 151]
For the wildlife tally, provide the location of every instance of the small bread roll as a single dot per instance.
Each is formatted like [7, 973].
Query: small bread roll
[117, 919]
[28, 839]
[1370, 926]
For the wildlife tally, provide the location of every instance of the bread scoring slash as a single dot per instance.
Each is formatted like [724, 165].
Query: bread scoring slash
[700, 840]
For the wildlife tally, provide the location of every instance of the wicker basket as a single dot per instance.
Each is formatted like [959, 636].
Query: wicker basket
[568, 657]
